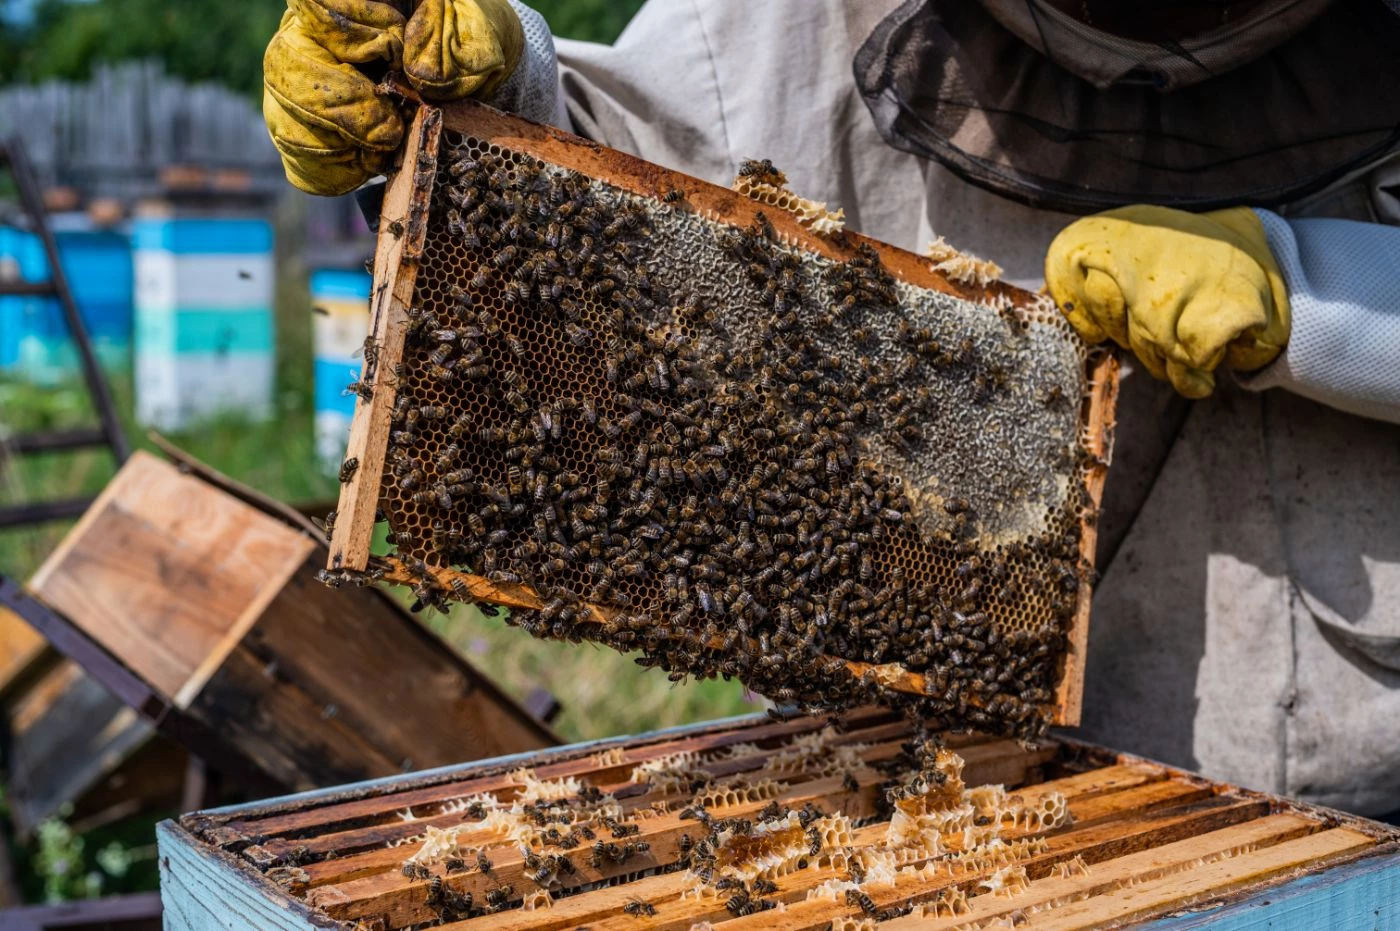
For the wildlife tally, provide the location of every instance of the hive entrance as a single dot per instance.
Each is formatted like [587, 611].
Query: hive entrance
[716, 443]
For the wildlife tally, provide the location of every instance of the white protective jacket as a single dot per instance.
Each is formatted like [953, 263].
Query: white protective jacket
[1247, 625]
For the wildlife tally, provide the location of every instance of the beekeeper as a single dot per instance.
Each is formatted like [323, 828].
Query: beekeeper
[1247, 624]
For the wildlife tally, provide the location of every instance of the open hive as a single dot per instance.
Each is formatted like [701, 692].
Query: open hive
[792, 825]
[640, 409]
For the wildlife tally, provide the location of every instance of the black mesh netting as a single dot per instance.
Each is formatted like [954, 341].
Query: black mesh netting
[1015, 113]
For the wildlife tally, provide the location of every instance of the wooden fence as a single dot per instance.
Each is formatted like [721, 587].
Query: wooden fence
[115, 134]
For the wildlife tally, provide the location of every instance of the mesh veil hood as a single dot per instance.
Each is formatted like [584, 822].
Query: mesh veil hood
[1019, 98]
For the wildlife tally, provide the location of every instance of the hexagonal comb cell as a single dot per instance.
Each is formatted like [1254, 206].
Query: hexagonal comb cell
[682, 426]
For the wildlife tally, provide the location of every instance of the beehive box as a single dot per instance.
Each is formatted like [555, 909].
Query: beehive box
[340, 297]
[752, 823]
[203, 317]
[194, 601]
[716, 428]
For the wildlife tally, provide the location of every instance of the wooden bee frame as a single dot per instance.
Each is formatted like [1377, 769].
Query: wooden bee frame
[1138, 842]
[402, 232]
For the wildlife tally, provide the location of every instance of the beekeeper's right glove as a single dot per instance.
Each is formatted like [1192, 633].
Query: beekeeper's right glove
[329, 124]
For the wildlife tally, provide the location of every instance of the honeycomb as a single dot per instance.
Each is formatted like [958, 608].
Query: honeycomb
[762, 182]
[762, 462]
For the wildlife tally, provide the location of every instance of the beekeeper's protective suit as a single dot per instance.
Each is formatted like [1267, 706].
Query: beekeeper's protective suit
[1248, 621]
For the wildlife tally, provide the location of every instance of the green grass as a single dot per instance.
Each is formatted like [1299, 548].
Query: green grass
[602, 692]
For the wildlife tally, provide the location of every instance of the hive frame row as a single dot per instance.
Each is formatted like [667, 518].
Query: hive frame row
[1152, 838]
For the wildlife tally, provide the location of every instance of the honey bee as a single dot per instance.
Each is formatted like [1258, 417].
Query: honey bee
[415, 871]
[499, 897]
[362, 389]
[369, 350]
[739, 904]
[862, 900]
[637, 908]
[347, 469]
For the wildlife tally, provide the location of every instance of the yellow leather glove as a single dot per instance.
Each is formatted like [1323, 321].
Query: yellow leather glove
[1185, 292]
[457, 48]
[330, 126]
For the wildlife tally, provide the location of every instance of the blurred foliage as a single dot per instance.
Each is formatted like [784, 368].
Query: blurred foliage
[590, 20]
[207, 40]
[64, 865]
[200, 40]
[59, 864]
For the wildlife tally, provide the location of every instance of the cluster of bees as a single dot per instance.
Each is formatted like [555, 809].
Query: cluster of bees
[565, 422]
[701, 857]
[733, 859]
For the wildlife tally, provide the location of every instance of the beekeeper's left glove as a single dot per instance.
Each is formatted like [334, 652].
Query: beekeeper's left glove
[1185, 292]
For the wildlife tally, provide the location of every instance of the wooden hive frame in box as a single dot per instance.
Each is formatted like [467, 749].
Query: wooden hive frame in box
[403, 231]
[1081, 837]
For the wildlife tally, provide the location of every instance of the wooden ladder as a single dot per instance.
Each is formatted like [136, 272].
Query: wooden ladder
[108, 431]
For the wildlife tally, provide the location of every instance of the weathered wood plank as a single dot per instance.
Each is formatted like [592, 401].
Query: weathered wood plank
[1208, 881]
[20, 646]
[1100, 405]
[402, 227]
[199, 891]
[167, 574]
[1106, 875]
[1364, 893]
[284, 731]
[66, 732]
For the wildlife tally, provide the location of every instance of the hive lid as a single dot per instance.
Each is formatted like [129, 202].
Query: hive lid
[666, 416]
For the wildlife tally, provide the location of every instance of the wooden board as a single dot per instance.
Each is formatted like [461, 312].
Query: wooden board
[316, 694]
[136, 912]
[168, 574]
[298, 685]
[20, 646]
[66, 735]
[403, 224]
[1142, 842]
